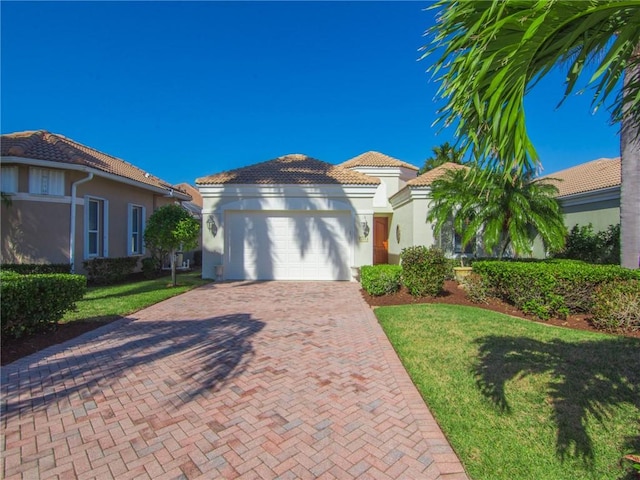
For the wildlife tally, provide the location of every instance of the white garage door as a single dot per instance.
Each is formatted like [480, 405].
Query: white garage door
[288, 246]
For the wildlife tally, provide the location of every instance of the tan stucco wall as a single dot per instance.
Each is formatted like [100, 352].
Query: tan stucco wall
[35, 229]
[35, 232]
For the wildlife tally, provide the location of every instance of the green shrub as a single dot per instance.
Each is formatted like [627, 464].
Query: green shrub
[151, 267]
[34, 303]
[617, 306]
[583, 243]
[31, 268]
[381, 279]
[550, 288]
[423, 270]
[451, 263]
[477, 288]
[107, 271]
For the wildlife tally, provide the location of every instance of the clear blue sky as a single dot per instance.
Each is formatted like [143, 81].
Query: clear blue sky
[187, 89]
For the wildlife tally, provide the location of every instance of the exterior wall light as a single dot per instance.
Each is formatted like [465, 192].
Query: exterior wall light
[365, 228]
[211, 225]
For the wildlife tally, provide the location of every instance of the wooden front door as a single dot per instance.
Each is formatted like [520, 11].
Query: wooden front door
[380, 240]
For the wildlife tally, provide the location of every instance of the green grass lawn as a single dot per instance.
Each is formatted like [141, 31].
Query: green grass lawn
[114, 301]
[519, 399]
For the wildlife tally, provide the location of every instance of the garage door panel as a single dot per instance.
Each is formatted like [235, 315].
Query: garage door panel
[288, 246]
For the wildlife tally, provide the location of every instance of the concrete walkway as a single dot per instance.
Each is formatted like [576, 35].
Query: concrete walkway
[235, 380]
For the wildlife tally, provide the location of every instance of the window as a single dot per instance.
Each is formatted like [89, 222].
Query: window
[457, 244]
[43, 181]
[9, 179]
[136, 230]
[96, 227]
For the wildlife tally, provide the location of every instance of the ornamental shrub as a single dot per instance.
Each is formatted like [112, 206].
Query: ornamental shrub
[423, 270]
[550, 288]
[477, 288]
[31, 268]
[107, 271]
[617, 306]
[35, 303]
[582, 243]
[379, 280]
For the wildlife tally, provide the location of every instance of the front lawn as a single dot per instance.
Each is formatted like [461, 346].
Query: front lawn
[519, 399]
[113, 301]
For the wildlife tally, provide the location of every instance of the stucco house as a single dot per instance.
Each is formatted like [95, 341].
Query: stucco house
[590, 193]
[299, 218]
[70, 202]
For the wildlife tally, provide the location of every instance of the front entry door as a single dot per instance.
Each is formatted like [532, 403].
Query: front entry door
[380, 240]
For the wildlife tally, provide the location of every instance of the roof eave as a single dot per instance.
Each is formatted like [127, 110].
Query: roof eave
[168, 192]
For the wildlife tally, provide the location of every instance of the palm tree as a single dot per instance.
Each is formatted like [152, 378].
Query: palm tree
[505, 211]
[442, 154]
[493, 53]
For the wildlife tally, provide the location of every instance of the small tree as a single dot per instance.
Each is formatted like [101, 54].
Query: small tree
[168, 229]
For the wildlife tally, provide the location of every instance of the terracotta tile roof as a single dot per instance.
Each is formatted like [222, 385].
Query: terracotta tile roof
[196, 198]
[376, 159]
[42, 145]
[427, 178]
[293, 169]
[594, 175]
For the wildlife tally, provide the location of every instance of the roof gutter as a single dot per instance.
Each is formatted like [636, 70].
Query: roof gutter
[72, 232]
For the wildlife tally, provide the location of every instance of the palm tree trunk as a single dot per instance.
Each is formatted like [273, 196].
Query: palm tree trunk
[630, 188]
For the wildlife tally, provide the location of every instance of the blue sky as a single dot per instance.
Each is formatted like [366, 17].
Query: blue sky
[187, 89]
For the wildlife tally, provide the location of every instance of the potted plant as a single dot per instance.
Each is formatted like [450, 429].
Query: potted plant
[462, 272]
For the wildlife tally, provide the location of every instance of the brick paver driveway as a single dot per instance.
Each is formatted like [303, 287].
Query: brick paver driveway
[233, 380]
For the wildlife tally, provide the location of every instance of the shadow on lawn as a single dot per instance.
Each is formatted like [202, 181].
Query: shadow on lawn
[205, 354]
[588, 378]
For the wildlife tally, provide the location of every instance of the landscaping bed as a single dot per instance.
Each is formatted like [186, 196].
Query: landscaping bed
[455, 295]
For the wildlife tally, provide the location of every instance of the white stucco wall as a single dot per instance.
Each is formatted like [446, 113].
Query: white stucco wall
[221, 200]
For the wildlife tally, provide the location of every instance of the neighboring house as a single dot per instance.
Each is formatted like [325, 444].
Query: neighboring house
[298, 218]
[590, 193]
[70, 202]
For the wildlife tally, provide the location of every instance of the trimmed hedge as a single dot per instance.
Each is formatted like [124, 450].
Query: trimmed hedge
[617, 306]
[107, 271]
[35, 303]
[423, 270]
[379, 280]
[31, 268]
[550, 288]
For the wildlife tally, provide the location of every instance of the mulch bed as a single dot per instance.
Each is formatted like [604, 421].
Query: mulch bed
[13, 350]
[454, 295]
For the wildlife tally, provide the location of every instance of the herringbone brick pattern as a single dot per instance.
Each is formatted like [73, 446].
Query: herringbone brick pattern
[235, 380]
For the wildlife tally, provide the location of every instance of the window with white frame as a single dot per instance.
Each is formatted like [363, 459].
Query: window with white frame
[44, 181]
[136, 230]
[9, 176]
[96, 227]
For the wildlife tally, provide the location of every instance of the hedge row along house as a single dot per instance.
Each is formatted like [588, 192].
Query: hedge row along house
[69, 203]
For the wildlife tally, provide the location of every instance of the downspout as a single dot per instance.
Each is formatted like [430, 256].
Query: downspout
[72, 233]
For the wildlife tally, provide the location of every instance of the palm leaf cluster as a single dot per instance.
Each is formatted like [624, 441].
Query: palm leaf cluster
[493, 53]
[505, 211]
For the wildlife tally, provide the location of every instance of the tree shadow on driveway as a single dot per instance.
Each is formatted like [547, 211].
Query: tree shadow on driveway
[199, 355]
[588, 380]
